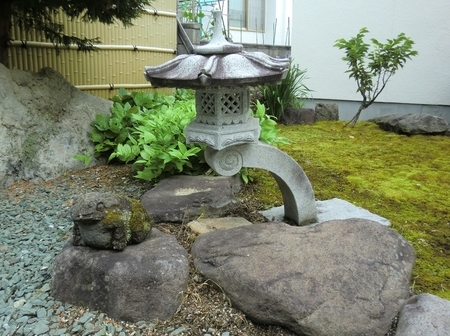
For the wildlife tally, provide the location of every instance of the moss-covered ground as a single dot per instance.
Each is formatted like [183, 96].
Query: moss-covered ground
[405, 179]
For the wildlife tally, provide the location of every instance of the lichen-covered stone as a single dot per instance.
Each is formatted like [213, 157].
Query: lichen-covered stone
[106, 221]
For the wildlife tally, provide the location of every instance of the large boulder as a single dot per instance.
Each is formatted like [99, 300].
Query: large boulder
[142, 282]
[341, 277]
[183, 198]
[44, 122]
[424, 314]
[411, 124]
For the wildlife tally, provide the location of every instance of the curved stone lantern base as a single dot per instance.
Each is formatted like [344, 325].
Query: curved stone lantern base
[298, 195]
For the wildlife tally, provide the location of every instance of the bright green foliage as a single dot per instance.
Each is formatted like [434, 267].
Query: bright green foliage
[147, 130]
[372, 66]
[291, 92]
[269, 132]
[143, 99]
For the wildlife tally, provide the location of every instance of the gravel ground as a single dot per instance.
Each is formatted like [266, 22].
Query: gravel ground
[34, 225]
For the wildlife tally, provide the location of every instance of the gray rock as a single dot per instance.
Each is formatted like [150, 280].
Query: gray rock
[326, 112]
[411, 124]
[295, 116]
[106, 221]
[44, 122]
[345, 277]
[330, 210]
[141, 283]
[424, 314]
[184, 198]
[203, 225]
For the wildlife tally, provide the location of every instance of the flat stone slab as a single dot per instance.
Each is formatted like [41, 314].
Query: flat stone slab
[183, 198]
[411, 124]
[329, 210]
[143, 282]
[204, 225]
[343, 277]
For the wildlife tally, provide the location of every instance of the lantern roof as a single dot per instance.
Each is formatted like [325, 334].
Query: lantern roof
[218, 63]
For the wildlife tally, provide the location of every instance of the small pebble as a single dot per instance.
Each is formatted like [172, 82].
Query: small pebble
[41, 328]
[177, 331]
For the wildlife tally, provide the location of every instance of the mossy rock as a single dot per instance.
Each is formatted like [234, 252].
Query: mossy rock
[106, 221]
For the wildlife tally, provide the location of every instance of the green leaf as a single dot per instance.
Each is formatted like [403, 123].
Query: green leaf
[176, 153]
[97, 136]
[115, 125]
[125, 153]
[84, 158]
[123, 136]
[179, 165]
[139, 98]
[182, 147]
[112, 156]
[101, 122]
[123, 92]
[147, 174]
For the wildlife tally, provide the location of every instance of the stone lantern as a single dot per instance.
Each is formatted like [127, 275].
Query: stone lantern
[221, 74]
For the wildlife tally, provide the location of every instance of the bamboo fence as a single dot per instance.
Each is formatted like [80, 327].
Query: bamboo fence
[118, 61]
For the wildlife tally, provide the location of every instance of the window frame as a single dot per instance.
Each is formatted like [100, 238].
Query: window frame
[247, 24]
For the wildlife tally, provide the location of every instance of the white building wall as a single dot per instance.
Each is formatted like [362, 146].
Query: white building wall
[424, 80]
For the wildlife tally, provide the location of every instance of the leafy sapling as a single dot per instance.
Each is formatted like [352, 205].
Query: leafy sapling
[373, 65]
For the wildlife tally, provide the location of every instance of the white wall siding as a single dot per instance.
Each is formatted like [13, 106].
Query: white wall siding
[424, 80]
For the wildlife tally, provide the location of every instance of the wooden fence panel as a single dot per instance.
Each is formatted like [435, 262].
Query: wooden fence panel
[120, 58]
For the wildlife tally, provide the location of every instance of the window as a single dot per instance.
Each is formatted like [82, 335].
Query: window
[247, 14]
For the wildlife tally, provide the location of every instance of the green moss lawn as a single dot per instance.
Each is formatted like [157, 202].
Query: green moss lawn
[405, 179]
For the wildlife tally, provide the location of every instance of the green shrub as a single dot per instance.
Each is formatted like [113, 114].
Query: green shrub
[147, 130]
[291, 92]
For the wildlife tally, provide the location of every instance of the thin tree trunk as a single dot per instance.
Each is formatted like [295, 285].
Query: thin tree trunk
[356, 116]
[5, 30]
